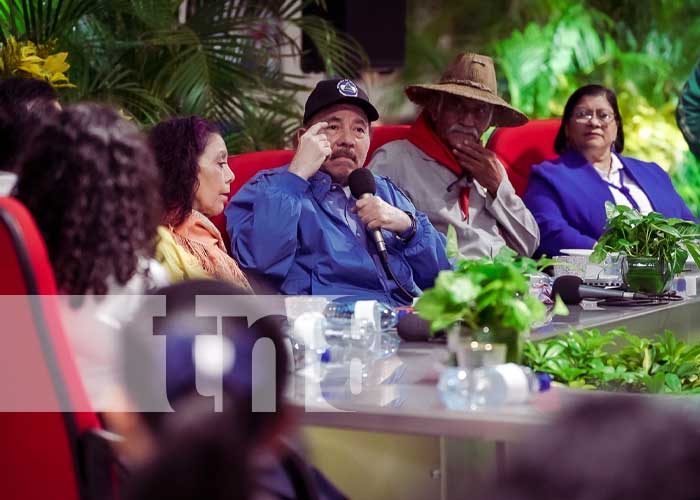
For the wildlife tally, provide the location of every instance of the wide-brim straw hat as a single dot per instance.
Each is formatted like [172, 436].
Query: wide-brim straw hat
[473, 76]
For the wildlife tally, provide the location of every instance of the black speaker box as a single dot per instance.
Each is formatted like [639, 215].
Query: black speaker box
[379, 26]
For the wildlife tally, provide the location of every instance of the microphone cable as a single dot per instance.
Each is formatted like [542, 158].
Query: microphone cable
[651, 300]
[384, 257]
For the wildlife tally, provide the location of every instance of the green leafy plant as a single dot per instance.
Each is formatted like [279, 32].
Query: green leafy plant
[618, 361]
[651, 235]
[686, 179]
[486, 292]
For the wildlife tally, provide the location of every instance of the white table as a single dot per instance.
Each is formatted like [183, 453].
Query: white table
[399, 395]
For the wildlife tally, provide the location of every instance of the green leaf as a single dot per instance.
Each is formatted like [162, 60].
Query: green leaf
[672, 382]
[559, 308]
[452, 246]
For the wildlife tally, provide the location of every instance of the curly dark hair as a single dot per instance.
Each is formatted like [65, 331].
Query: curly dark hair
[177, 144]
[91, 184]
[26, 92]
[23, 104]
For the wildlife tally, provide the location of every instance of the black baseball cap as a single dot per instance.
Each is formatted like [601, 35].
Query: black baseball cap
[338, 91]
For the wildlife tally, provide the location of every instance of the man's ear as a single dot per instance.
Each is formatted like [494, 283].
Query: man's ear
[297, 137]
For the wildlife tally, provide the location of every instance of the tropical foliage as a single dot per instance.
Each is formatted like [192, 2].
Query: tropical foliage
[618, 361]
[217, 58]
[545, 49]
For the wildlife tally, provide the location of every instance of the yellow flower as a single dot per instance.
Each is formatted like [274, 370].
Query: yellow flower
[56, 63]
[25, 59]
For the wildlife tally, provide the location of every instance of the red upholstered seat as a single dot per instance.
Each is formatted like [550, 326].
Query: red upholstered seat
[522, 147]
[44, 409]
[386, 133]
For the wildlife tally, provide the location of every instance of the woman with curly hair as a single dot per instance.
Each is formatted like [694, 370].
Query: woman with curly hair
[91, 184]
[196, 178]
[23, 102]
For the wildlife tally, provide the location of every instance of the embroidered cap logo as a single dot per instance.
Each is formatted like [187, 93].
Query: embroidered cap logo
[347, 88]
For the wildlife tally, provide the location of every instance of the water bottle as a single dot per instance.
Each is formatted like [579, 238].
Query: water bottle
[366, 328]
[340, 315]
[490, 386]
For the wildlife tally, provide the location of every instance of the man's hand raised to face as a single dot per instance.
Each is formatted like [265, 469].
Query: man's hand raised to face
[376, 213]
[480, 163]
[313, 150]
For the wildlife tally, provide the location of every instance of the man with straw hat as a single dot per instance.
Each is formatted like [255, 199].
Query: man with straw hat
[445, 170]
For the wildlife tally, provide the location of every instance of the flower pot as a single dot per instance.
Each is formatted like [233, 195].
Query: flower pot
[484, 347]
[646, 274]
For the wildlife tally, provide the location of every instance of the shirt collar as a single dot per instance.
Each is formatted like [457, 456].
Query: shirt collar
[321, 183]
[615, 165]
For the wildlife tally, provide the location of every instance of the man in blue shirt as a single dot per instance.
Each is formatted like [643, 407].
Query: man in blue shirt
[300, 228]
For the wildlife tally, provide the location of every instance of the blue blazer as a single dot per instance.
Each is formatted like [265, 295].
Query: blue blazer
[567, 198]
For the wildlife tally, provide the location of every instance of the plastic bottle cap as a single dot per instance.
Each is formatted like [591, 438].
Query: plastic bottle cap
[545, 380]
[403, 311]
[365, 311]
[309, 328]
[326, 356]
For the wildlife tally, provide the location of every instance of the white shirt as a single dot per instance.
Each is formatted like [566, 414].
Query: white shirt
[7, 182]
[492, 223]
[94, 330]
[613, 177]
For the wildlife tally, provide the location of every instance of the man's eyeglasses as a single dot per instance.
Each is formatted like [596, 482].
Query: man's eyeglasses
[586, 115]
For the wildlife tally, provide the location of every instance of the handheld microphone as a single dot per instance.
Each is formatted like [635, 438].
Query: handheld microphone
[362, 185]
[572, 291]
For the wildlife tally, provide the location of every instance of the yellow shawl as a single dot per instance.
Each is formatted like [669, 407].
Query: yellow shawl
[194, 249]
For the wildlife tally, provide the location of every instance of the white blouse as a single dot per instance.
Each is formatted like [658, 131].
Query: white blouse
[613, 177]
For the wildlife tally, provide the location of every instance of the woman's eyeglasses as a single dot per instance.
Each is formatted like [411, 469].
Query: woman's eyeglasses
[586, 115]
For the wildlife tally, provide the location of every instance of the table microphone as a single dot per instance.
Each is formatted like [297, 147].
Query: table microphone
[572, 291]
[413, 328]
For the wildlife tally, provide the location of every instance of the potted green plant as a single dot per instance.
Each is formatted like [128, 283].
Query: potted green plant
[486, 300]
[655, 248]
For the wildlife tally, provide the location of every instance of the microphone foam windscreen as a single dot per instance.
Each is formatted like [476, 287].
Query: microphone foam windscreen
[567, 288]
[361, 181]
[413, 328]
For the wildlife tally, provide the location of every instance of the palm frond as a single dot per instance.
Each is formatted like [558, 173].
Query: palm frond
[41, 21]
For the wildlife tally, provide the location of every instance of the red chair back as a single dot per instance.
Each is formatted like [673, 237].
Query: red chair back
[40, 389]
[382, 134]
[244, 167]
[522, 147]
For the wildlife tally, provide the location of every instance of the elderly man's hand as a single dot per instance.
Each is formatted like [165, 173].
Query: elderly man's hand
[480, 163]
[376, 213]
[313, 150]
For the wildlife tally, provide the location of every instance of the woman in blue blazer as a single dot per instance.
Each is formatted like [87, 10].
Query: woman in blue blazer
[567, 196]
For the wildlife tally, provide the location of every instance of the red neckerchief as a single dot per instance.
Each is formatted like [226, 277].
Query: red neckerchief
[423, 137]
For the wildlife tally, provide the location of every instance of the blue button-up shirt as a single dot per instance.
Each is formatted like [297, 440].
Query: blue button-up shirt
[303, 236]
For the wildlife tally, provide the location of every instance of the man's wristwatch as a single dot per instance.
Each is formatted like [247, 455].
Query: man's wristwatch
[409, 233]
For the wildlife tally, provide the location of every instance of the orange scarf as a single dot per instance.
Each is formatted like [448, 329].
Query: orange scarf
[198, 235]
[423, 137]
